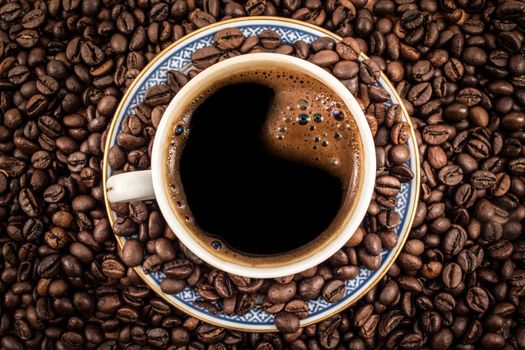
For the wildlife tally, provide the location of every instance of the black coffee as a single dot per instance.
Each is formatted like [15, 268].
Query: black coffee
[263, 167]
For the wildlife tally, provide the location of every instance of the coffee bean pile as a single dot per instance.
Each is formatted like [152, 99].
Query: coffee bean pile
[283, 296]
[459, 281]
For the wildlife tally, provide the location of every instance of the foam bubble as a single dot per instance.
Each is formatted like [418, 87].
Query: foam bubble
[303, 105]
[303, 119]
[338, 114]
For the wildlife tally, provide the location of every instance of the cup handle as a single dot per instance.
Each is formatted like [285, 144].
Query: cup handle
[130, 187]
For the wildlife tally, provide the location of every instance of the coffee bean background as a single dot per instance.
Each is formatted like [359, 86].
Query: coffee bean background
[64, 65]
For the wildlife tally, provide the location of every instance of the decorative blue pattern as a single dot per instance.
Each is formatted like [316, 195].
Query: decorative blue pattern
[179, 59]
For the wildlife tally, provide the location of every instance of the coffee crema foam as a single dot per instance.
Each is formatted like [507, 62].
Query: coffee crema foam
[305, 123]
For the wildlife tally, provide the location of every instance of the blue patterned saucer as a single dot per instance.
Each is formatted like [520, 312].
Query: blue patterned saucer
[177, 56]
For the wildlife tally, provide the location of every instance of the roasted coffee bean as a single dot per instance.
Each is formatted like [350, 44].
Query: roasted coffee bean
[205, 57]
[124, 227]
[229, 39]
[138, 212]
[517, 166]
[54, 193]
[399, 154]
[369, 72]
[180, 268]
[482, 179]
[444, 302]
[297, 307]
[436, 157]
[422, 71]
[310, 288]
[465, 196]
[420, 94]
[113, 268]
[435, 134]
[269, 39]
[47, 85]
[333, 291]
[33, 19]
[372, 244]
[91, 54]
[201, 19]
[456, 112]
[56, 238]
[116, 157]
[158, 94]
[500, 250]
[323, 44]
[477, 299]
[363, 314]
[451, 175]
[348, 49]
[132, 253]
[454, 240]
[451, 275]
[36, 105]
[175, 81]
[180, 335]
[286, 322]
[493, 340]
[49, 266]
[431, 321]
[281, 293]
[27, 38]
[388, 185]
[223, 285]
[389, 219]
[165, 249]
[325, 58]
[33, 229]
[157, 337]
[514, 121]
[29, 202]
[400, 133]
[345, 69]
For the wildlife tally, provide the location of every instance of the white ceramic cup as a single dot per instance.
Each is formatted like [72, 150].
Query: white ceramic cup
[151, 184]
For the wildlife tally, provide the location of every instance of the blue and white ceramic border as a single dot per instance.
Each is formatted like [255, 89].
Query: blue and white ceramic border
[178, 57]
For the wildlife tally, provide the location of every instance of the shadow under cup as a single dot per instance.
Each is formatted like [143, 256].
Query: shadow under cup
[263, 163]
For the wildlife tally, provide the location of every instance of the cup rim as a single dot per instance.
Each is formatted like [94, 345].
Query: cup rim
[367, 175]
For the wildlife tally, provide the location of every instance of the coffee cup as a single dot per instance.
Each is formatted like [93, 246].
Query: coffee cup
[157, 183]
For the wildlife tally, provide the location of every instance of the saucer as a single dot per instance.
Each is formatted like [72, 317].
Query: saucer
[178, 56]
